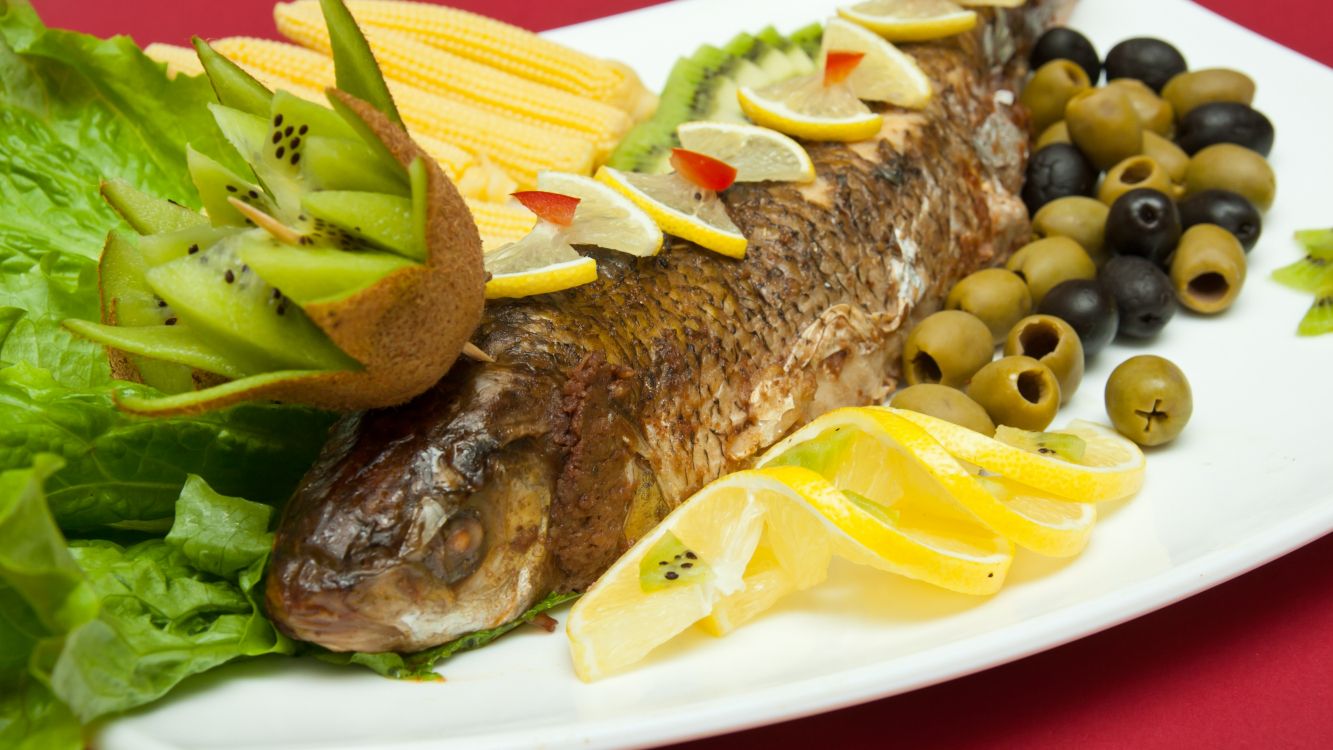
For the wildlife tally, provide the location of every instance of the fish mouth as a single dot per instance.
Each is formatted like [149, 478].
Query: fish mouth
[419, 546]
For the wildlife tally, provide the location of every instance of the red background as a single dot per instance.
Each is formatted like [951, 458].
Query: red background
[1248, 664]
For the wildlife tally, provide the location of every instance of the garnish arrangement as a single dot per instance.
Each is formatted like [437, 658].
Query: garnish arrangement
[378, 344]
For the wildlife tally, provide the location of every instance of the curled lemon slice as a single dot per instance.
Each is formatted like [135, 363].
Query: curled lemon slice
[1111, 467]
[911, 20]
[757, 153]
[805, 108]
[680, 208]
[604, 217]
[540, 263]
[885, 73]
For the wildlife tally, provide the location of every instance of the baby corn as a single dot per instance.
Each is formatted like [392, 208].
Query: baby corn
[491, 42]
[519, 148]
[404, 59]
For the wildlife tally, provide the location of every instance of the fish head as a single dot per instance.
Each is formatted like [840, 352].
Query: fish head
[422, 523]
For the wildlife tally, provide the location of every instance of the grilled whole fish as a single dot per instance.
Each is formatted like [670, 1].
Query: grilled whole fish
[609, 404]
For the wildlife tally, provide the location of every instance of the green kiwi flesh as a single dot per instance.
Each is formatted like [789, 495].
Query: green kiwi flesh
[670, 564]
[357, 71]
[1307, 274]
[384, 221]
[154, 343]
[234, 87]
[1068, 447]
[1319, 319]
[127, 300]
[242, 316]
[703, 87]
[315, 274]
[217, 184]
[1317, 242]
[156, 249]
[146, 214]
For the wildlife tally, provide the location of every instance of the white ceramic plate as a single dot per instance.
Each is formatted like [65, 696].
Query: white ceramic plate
[1247, 482]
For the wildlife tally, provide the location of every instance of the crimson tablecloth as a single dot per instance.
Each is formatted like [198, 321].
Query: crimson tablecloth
[1247, 664]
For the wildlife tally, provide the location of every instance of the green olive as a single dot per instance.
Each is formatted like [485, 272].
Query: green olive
[996, 296]
[1148, 399]
[1208, 269]
[1079, 218]
[1104, 126]
[1050, 89]
[1168, 156]
[1046, 263]
[1017, 391]
[1057, 133]
[949, 404]
[1052, 342]
[1192, 89]
[1131, 174]
[1155, 113]
[1226, 166]
[947, 348]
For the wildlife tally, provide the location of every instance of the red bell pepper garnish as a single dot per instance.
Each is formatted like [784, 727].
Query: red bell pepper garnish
[838, 65]
[553, 207]
[702, 170]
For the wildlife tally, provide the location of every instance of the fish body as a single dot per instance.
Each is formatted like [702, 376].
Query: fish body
[607, 405]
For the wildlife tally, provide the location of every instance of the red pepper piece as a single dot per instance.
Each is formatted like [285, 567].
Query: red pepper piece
[838, 65]
[703, 170]
[553, 207]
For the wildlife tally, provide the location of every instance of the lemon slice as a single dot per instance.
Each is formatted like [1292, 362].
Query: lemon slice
[911, 20]
[540, 263]
[885, 74]
[680, 208]
[698, 556]
[991, 3]
[757, 153]
[1110, 468]
[881, 457]
[603, 217]
[905, 516]
[805, 108]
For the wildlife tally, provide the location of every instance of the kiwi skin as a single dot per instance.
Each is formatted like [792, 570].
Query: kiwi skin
[406, 330]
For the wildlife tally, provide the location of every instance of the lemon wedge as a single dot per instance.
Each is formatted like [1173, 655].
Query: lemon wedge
[604, 217]
[697, 557]
[911, 20]
[541, 262]
[1111, 467]
[679, 208]
[885, 74]
[757, 153]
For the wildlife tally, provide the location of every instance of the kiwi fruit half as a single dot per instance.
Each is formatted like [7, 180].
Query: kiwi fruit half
[344, 273]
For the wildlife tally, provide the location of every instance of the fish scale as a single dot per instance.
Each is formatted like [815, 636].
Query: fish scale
[610, 403]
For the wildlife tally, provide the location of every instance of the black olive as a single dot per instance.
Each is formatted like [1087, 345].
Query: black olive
[1152, 61]
[1088, 308]
[1226, 209]
[1225, 122]
[1063, 43]
[1144, 295]
[1143, 222]
[1057, 171]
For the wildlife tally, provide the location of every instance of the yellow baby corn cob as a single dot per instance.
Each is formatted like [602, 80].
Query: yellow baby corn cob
[491, 42]
[403, 58]
[519, 148]
[459, 165]
[500, 223]
[179, 60]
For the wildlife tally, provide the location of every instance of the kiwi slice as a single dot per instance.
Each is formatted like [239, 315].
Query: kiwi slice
[809, 39]
[669, 564]
[1063, 445]
[1317, 242]
[346, 274]
[1319, 319]
[1307, 274]
[703, 87]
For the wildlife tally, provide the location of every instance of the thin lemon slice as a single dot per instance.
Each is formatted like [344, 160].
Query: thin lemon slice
[991, 3]
[680, 208]
[1053, 525]
[870, 463]
[805, 108]
[540, 263]
[905, 516]
[757, 153]
[698, 555]
[885, 74]
[911, 20]
[1111, 467]
[604, 217]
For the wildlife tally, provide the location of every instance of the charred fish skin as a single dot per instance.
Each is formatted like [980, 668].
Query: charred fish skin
[611, 403]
